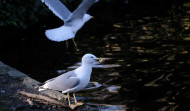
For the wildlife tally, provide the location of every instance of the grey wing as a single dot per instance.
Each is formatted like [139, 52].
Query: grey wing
[58, 8]
[63, 82]
[82, 8]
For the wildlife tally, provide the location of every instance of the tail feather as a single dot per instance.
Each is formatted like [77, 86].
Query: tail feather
[60, 34]
[41, 88]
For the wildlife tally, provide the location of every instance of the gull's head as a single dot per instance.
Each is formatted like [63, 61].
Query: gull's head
[90, 59]
[87, 17]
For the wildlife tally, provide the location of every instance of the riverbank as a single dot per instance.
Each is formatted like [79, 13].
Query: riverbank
[13, 81]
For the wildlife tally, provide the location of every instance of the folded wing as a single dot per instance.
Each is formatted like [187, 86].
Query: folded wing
[63, 82]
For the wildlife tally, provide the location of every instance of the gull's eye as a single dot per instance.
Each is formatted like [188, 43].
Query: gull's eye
[91, 57]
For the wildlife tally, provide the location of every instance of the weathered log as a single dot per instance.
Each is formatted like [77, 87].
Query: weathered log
[42, 97]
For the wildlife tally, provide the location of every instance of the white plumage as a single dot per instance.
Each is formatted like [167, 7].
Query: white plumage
[66, 32]
[75, 80]
[60, 34]
[72, 21]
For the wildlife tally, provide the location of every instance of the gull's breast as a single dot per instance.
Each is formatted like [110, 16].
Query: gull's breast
[83, 82]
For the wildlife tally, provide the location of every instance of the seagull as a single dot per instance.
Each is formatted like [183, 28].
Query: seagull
[75, 80]
[73, 21]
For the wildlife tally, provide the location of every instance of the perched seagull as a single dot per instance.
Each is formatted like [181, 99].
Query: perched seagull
[75, 80]
[73, 21]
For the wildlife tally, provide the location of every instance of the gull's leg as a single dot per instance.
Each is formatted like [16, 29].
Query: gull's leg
[70, 105]
[68, 98]
[77, 103]
[75, 45]
[67, 44]
[75, 98]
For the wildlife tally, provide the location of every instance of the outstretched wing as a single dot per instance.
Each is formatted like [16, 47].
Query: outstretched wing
[82, 8]
[58, 8]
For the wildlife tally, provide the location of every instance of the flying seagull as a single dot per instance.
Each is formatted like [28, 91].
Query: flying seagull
[74, 80]
[73, 21]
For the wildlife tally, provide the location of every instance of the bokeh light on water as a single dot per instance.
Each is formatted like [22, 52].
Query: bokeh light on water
[147, 57]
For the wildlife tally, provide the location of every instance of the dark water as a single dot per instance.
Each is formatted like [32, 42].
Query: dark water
[147, 65]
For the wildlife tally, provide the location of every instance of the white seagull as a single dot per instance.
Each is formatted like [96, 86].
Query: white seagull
[74, 80]
[73, 21]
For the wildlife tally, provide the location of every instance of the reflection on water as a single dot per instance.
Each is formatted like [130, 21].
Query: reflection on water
[150, 59]
[147, 65]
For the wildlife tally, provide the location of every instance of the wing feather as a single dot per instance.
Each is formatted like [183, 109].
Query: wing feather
[82, 8]
[58, 8]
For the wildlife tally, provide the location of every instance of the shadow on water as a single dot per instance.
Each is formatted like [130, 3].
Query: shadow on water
[147, 61]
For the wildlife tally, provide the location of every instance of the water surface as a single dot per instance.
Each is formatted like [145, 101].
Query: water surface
[147, 59]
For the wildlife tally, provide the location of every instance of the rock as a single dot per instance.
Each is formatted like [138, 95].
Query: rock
[15, 74]
[2, 91]
[14, 78]
[30, 83]
[3, 68]
[4, 81]
[12, 109]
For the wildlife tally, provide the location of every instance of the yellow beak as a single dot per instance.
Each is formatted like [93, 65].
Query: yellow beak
[92, 17]
[98, 60]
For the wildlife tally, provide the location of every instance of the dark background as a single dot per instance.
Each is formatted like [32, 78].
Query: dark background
[148, 38]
